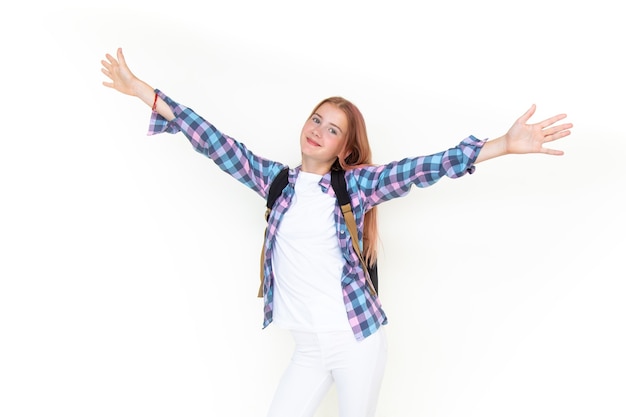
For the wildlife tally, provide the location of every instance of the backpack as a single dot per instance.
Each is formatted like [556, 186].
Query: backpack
[338, 182]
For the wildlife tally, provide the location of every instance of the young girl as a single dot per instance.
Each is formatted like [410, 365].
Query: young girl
[314, 284]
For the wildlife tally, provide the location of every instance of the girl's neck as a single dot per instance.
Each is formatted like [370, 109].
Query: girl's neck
[314, 167]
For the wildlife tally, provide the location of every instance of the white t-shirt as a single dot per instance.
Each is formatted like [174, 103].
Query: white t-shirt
[308, 263]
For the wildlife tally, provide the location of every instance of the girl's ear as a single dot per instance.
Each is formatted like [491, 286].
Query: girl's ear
[351, 158]
[343, 157]
[344, 153]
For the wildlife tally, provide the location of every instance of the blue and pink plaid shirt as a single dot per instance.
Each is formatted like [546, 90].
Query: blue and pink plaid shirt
[367, 186]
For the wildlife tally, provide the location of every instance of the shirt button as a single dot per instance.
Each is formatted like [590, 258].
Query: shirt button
[342, 232]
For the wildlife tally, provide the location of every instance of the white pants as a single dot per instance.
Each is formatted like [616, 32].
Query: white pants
[319, 359]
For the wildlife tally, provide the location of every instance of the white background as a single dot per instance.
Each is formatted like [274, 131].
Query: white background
[129, 264]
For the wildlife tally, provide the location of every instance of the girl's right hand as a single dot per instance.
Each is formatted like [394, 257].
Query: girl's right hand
[122, 79]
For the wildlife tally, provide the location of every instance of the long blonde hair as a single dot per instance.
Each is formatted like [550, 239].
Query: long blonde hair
[358, 153]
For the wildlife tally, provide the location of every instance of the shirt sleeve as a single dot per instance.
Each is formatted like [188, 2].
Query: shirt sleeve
[392, 180]
[228, 154]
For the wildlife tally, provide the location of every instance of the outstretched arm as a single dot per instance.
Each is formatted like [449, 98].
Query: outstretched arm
[124, 81]
[523, 137]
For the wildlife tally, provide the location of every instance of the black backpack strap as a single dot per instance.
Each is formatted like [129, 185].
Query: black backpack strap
[338, 182]
[276, 188]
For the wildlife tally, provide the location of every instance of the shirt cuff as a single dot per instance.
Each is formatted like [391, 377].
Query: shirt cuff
[159, 124]
[471, 147]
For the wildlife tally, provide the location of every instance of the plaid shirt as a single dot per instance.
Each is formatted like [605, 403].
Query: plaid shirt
[367, 186]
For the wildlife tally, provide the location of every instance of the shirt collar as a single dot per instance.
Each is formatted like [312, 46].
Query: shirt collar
[324, 182]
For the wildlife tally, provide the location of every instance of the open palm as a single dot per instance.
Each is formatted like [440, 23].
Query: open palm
[122, 79]
[530, 138]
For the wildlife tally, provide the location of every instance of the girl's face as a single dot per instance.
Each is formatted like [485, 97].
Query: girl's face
[322, 138]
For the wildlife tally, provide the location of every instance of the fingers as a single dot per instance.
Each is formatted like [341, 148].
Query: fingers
[524, 117]
[120, 56]
[552, 151]
[552, 120]
[557, 132]
[545, 123]
[110, 59]
[106, 67]
[110, 64]
[556, 136]
[108, 71]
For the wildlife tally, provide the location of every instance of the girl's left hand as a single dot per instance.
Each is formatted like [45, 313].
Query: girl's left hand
[530, 138]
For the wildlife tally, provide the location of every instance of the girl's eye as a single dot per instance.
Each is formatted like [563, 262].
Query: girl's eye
[333, 131]
[316, 120]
